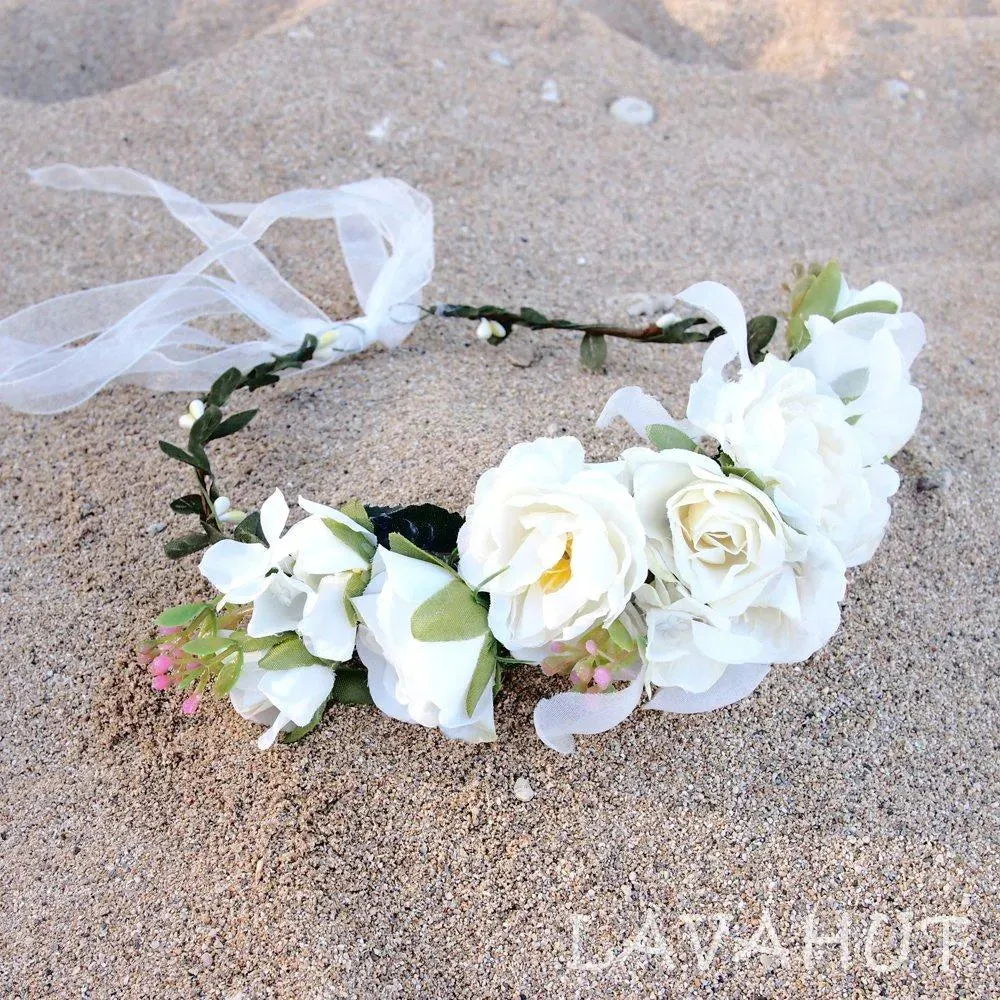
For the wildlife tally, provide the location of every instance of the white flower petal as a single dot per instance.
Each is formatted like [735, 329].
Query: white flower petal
[721, 304]
[273, 516]
[279, 607]
[298, 692]
[325, 628]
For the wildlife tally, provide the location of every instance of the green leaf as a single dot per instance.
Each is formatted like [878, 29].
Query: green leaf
[593, 351]
[190, 503]
[404, 547]
[760, 330]
[227, 677]
[177, 548]
[182, 614]
[180, 455]
[202, 428]
[354, 540]
[232, 424]
[681, 332]
[663, 437]
[294, 735]
[875, 306]
[351, 687]
[533, 317]
[731, 469]
[207, 645]
[287, 654]
[450, 615]
[620, 635]
[224, 386]
[249, 529]
[355, 510]
[820, 299]
[251, 644]
[355, 588]
[486, 666]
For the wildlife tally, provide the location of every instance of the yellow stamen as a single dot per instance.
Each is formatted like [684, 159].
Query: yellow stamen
[558, 575]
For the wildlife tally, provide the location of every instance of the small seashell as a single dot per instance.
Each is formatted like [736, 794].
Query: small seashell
[633, 111]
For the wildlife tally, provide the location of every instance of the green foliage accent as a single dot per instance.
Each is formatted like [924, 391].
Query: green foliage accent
[355, 510]
[177, 548]
[404, 547]
[256, 644]
[207, 645]
[190, 503]
[593, 351]
[760, 330]
[226, 678]
[875, 306]
[664, 437]
[182, 615]
[351, 687]
[232, 424]
[819, 298]
[730, 468]
[180, 455]
[620, 635]
[486, 668]
[354, 540]
[249, 529]
[355, 588]
[288, 653]
[683, 331]
[450, 615]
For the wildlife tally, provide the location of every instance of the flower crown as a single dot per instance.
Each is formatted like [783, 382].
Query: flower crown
[681, 571]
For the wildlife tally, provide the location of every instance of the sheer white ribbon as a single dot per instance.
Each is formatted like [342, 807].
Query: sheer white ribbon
[138, 331]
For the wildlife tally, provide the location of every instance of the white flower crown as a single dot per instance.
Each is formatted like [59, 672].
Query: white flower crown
[683, 570]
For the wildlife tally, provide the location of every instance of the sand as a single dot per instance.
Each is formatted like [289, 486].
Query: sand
[147, 855]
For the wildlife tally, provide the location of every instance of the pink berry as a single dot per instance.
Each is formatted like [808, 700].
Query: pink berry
[162, 664]
[602, 677]
[161, 682]
[190, 704]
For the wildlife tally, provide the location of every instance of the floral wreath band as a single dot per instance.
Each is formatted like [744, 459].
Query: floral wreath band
[680, 572]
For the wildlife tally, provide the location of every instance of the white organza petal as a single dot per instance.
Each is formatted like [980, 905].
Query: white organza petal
[640, 411]
[279, 607]
[737, 682]
[721, 304]
[325, 628]
[559, 718]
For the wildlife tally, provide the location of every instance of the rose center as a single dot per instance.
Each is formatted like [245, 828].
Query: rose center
[558, 575]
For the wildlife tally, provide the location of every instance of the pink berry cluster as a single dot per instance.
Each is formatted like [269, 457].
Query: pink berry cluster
[597, 660]
[169, 664]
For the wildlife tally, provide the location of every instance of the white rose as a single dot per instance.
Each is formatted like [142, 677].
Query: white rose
[793, 433]
[725, 544]
[865, 360]
[689, 645]
[555, 542]
[414, 680]
[282, 700]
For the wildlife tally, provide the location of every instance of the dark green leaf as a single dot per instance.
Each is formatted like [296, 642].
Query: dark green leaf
[534, 318]
[224, 386]
[249, 529]
[177, 548]
[351, 687]
[190, 503]
[760, 330]
[179, 455]
[664, 437]
[682, 332]
[593, 351]
[201, 430]
[450, 615]
[428, 526]
[486, 666]
[233, 424]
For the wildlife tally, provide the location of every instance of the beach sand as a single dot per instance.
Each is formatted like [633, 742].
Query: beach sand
[143, 854]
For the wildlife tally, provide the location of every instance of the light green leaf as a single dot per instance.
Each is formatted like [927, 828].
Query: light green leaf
[452, 614]
[355, 588]
[354, 540]
[875, 306]
[355, 510]
[287, 654]
[620, 635]
[486, 666]
[402, 546]
[256, 645]
[183, 614]
[227, 677]
[663, 437]
[593, 351]
[819, 300]
[207, 645]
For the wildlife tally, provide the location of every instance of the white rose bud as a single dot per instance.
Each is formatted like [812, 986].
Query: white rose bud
[490, 328]
[195, 410]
